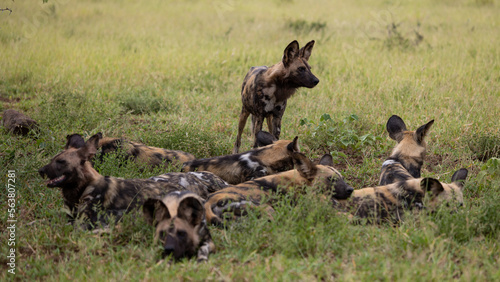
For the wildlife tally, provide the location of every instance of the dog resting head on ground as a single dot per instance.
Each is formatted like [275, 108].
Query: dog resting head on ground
[445, 193]
[265, 90]
[274, 156]
[85, 191]
[179, 219]
[140, 153]
[388, 202]
[232, 201]
[407, 158]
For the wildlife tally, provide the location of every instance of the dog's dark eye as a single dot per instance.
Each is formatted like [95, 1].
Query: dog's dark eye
[301, 69]
[181, 234]
[61, 162]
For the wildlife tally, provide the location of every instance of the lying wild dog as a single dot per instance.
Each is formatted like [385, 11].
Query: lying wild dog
[235, 199]
[265, 90]
[140, 153]
[274, 157]
[388, 202]
[179, 219]
[407, 158]
[85, 190]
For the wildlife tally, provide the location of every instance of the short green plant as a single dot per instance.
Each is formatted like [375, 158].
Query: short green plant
[339, 136]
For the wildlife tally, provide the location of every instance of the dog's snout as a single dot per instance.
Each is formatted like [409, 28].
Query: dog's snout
[167, 251]
[349, 190]
[315, 81]
[42, 172]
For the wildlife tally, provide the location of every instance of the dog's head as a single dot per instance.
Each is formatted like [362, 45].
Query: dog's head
[68, 167]
[275, 154]
[411, 147]
[439, 193]
[323, 175]
[296, 64]
[180, 224]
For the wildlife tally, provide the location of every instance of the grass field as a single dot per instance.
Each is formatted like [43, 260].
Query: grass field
[169, 73]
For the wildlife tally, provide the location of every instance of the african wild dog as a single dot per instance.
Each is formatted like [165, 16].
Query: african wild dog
[388, 202]
[140, 153]
[85, 190]
[265, 90]
[407, 158]
[179, 219]
[233, 200]
[274, 157]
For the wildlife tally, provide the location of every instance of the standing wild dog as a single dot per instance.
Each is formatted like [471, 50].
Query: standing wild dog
[274, 157]
[265, 90]
[140, 153]
[388, 202]
[407, 158]
[234, 200]
[179, 219]
[85, 190]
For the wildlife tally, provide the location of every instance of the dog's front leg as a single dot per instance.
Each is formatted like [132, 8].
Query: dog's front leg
[241, 125]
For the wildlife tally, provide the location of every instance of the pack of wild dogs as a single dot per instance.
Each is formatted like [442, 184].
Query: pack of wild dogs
[219, 190]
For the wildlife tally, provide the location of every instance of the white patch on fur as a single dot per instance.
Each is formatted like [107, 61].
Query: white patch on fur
[389, 162]
[183, 182]
[246, 158]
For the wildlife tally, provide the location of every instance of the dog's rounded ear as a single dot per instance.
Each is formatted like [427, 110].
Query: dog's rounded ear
[395, 126]
[294, 145]
[264, 138]
[326, 159]
[154, 210]
[459, 177]
[304, 166]
[305, 52]
[88, 151]
[431, 185]
[422, 131]
[290, 53]
[191, 209]
[74, 141]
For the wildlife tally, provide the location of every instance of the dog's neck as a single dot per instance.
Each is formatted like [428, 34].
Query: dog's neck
[73, 191]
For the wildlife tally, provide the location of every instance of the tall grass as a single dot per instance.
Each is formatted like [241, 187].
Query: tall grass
[168, 73]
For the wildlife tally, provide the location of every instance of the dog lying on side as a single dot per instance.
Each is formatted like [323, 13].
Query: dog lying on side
[140, 153]
[179, 219]
[407, 158]
[274, 156]
[388, 202]
[85, 191]
[235, 199]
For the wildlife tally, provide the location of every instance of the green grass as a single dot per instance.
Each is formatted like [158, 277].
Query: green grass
[168, 73]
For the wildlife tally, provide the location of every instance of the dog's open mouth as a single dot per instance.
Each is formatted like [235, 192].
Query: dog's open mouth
[55, 181]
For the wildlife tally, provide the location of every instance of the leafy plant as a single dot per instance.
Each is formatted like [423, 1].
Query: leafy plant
[339, 136]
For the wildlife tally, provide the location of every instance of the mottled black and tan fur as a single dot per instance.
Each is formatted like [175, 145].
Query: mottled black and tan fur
[234, 200]
[179, 219]
[85, 191]
[275, 156]
[388, 202]
[407, 158]
[265, 90]
[140, 153]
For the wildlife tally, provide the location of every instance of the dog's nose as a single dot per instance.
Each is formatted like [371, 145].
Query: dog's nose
[316, 81]
[167, 251]
[42, 172]
[349, 190]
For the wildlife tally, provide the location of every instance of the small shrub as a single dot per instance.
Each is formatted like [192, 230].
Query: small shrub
[303, 26]
[339, 136]
[485, 146]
